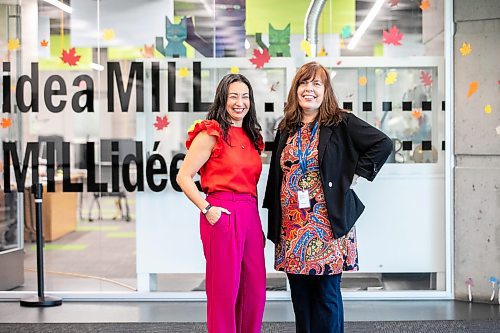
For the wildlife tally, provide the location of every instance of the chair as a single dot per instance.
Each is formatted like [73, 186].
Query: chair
[58, 147]
[126, 146]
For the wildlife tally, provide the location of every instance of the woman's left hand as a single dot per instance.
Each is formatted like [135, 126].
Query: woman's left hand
[214, 213]
[354, 180]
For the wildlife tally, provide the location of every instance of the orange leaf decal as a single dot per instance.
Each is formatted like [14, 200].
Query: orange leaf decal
[147, 51]
[472, 88]
[416, 114]
[425, 4]
[393, 36]
[70, 58]
[260, 58]
[44, 43]
[161, 123]
[6, 122]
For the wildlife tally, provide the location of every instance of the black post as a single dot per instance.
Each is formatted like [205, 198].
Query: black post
[41, 300]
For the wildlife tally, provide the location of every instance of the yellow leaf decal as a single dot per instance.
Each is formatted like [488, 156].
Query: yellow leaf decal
[322, 52]
[183, 72]
[472, 88]
[13, 44]
[487, 109]
[362, 80]
[306, 47]
[342, 43]
[391, 78]
[108, 34]
[235, 70]
[466, 49]
[191, 128]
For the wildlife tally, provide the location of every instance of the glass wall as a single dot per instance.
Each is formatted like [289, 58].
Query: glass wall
[112, 87]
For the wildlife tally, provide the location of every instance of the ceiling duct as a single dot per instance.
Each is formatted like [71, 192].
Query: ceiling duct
[311, 24]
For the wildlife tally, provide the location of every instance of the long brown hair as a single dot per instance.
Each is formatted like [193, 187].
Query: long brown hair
[217, 110]
[329, 111]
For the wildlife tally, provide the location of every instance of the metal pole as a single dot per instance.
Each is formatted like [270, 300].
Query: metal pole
[38, 190]
[41, 300]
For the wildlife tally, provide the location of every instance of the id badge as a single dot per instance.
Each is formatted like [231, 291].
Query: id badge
[303, 197]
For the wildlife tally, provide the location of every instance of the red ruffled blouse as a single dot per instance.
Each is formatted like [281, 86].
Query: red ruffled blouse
[233, 167]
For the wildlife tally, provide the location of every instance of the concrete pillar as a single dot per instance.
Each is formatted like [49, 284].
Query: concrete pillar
[29, 54]
[477, 148]
[29, 33]
[433, 29]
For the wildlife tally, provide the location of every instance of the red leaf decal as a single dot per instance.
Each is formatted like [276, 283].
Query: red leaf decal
[260, 58]
[70, 57]
[393, 3]
[426, 79]
[393, 36]
[161, 123]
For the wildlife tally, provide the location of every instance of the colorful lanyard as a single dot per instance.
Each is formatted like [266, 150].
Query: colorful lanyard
[303, 155]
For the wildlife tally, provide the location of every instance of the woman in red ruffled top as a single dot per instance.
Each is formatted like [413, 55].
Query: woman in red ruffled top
[225, 150]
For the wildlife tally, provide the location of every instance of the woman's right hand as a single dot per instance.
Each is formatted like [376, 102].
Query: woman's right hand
[214, 213]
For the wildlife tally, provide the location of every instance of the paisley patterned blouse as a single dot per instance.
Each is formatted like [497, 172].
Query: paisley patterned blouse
[306, 243]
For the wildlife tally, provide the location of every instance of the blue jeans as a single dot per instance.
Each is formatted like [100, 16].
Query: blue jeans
[317, 303]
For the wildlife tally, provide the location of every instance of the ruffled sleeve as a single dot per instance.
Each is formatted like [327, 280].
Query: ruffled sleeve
[212, 128]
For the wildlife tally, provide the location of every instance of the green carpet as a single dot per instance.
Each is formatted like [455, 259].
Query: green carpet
[62, 247]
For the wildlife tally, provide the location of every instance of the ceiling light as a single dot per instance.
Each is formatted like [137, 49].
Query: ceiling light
[366, 23]
[60, 5]
[207, 7]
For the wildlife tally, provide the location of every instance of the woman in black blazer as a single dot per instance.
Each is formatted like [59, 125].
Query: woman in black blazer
[318, 153]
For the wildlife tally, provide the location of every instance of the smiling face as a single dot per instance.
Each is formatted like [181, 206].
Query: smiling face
[238, 102]
[310, 93]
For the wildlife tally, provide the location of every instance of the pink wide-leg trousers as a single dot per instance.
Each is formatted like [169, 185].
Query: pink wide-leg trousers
[235, 269]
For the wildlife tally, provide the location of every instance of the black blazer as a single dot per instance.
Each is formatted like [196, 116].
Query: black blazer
[351, 147]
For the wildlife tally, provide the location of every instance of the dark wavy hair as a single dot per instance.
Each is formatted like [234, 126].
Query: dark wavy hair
[217, 110]
[329, 111]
